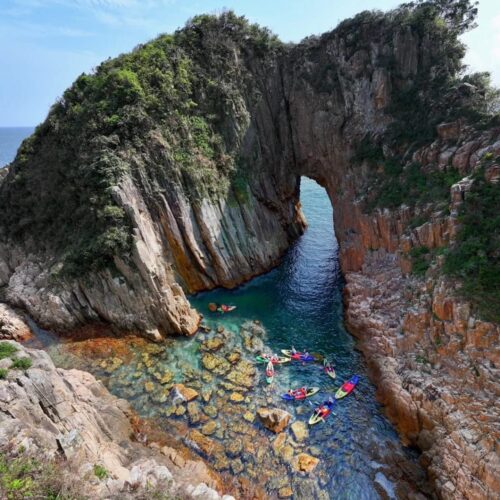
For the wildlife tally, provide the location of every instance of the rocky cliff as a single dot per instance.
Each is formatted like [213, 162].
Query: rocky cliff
[176, 168]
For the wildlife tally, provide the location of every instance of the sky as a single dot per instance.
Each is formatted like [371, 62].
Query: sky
[46, 44]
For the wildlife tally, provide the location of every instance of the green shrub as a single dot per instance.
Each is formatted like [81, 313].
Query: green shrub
[410, 185]
[100, 472]
[27, 477]
[420, 259]
[7, 350]
[3, 373]
[421, 359]
[22, 363]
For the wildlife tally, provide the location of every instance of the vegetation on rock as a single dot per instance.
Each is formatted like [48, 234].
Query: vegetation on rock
[170, 113]
[23, 476]
[7, 350]
[475, 257]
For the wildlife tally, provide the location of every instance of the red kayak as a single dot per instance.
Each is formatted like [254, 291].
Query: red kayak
[347, 387]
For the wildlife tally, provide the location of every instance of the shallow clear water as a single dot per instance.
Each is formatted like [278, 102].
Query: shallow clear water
[300, 304]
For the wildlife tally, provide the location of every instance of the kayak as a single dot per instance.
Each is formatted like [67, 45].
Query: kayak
[265, 358]
[330, 371]
[269, 372]
[226, 309]
[298, 394]
[298, 356]
[347, 387]
[322, 412]
[222, 308]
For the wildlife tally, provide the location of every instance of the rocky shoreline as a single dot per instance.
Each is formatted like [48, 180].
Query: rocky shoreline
[433, 360]
[67, 417]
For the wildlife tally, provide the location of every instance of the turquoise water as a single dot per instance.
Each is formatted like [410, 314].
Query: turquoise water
[10, 139]
[300, 304]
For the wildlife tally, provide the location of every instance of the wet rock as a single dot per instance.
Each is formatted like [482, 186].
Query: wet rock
[285, 492]
[183, 392]
[277, 482]
[209, 428]
[315, 451]
[215, 364]
[274, 419]
[193, 410]
[234, 447]
[233, 357]
[211, 411]
[243, 374]
[305, 463]
[221, 462]
[206, 394]
[206, 445]
[236, 397]
[213, 344]
[299, 430]
[237, 466]
[249, 416]
[169, 410]
[286, 453]
[279, 442]
[166, 378]
[220, 329]
[160, 397]
[149, 386]
[180, 410]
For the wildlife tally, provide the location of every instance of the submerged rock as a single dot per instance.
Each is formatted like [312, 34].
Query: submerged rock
[299, 430]
[209, 428]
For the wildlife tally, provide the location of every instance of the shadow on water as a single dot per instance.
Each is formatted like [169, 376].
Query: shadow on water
[299, 303]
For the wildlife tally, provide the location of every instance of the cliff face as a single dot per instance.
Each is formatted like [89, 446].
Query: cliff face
[176, 168]
[433, 358]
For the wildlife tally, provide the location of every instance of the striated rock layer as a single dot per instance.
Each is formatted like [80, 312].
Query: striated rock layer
[434, 361]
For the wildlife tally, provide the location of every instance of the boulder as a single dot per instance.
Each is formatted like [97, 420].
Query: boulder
[274, 419]
[183, 392]
[305, 463]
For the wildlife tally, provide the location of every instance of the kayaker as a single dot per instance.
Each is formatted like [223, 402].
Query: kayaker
[224, 308]
[293, 350]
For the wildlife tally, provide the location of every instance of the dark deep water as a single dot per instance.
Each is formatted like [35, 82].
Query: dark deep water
[299, 303]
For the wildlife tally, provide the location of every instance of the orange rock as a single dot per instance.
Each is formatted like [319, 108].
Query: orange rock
[187, 393]
[305, 463]
[274, 419]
